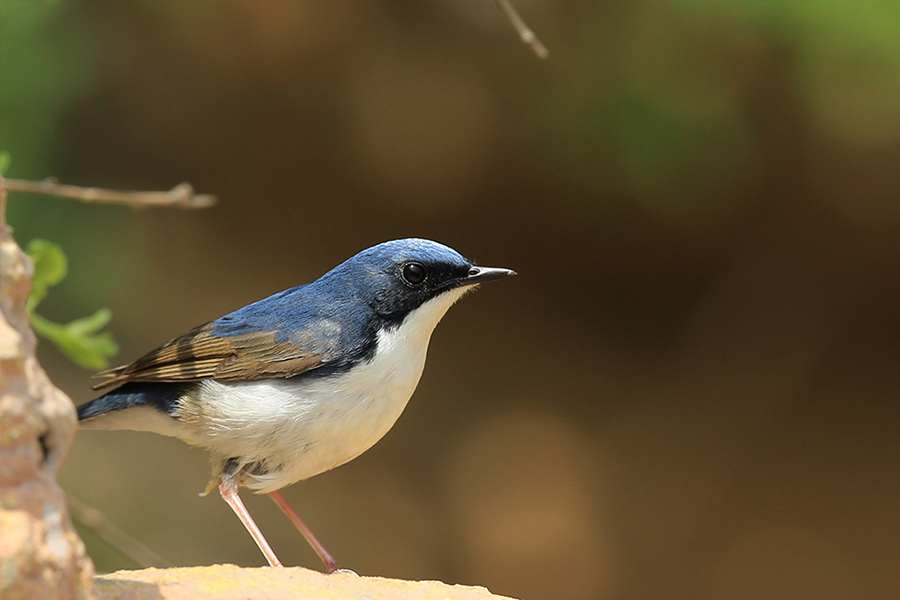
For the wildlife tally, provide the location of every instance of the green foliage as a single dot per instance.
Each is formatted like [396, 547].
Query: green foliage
[50, 267]
[5, 161]
[82, 339]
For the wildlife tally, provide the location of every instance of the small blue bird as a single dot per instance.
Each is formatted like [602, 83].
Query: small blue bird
[300, 382]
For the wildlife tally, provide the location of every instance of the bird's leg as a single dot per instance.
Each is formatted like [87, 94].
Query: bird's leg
[229, 490]
[330, 564]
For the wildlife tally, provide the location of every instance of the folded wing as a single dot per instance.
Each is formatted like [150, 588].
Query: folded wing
[199, 354]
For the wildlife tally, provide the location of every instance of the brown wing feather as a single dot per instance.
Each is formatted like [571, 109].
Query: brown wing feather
[199, 355]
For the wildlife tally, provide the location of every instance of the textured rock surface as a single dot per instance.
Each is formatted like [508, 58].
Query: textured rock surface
[41, 556]
[224, 582]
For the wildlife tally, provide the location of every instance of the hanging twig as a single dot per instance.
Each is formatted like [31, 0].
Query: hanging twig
[182, 195]
[95, 520]
[525, 34]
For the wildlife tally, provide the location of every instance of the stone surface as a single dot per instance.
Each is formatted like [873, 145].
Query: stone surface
[225, 582]
[41, 556]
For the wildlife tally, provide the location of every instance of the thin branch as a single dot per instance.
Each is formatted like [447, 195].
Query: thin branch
[182, 195]
[525, 34]
[95, 520]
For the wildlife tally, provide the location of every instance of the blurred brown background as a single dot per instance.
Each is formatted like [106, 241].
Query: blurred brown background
[690, 391]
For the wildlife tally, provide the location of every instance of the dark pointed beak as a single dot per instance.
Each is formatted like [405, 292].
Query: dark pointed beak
[483, 274]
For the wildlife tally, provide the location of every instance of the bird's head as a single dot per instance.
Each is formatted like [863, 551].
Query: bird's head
[397, 277]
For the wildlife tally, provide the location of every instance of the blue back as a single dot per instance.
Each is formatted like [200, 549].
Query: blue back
[339, 315]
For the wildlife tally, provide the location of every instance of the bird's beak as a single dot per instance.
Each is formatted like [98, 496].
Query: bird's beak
[483, 274]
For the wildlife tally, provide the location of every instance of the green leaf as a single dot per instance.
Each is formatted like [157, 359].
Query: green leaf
[5, 161]
[78, 341]
[50, 267]
[50, 263]
[92, 324]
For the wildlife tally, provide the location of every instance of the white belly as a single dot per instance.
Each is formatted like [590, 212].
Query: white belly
[303, 427]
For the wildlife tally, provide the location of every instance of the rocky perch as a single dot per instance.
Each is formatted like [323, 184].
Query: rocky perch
[225, 582]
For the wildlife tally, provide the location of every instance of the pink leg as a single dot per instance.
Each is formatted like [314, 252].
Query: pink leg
[330, 564]
[229, 493]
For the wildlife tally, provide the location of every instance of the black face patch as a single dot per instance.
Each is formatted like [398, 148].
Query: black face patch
[398, 296]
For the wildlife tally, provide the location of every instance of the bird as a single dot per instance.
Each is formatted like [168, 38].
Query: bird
[298, 383]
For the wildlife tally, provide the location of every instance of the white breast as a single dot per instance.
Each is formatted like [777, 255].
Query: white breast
[299, 428]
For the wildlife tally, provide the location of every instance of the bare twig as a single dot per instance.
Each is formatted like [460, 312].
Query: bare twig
[525, 34]
[95, 520]
[182, 195]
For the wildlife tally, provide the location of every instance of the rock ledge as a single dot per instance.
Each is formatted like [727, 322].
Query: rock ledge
[225, 582]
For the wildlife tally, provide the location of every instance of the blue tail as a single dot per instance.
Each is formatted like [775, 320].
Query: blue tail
[162, 396]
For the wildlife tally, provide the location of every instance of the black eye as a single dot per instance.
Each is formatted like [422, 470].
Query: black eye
[414, 273]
